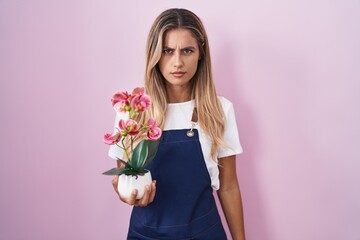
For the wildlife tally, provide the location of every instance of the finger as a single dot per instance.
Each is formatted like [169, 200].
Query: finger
[145, 199]
[132, 199]
[115, 179]
[115, 182]
[153, 191]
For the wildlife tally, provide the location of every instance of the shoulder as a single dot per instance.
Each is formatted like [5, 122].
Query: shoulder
[225, 103]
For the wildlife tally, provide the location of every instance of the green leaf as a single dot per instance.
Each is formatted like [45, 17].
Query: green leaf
[139, 155]
[130, 171]
[143, 171]
[114, 171]
[134, 172]
[123, 162]
[153, 147]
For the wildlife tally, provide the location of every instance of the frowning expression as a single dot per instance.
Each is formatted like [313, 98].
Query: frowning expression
[180, 56]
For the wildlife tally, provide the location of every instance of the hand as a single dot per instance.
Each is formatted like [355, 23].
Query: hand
[149, 194]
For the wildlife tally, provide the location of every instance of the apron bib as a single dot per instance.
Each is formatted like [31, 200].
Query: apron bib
[184, 206]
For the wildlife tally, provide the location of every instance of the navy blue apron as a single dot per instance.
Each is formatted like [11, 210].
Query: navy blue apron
[184, 205]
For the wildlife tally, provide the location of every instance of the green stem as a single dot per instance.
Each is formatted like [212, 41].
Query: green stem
[132, 114]
[131, 144]
[125, 150]
[120, 146]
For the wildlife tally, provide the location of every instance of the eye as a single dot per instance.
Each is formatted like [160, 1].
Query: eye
[188, 51]
[168, 51]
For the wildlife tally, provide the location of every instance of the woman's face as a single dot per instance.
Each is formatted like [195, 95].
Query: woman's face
[179, 59]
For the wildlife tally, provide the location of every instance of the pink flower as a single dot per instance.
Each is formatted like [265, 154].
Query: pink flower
[138, 91]
[140, 102]
[128, 127]
[154, 131]
[152, 123]
[112, 139]
[121, 101]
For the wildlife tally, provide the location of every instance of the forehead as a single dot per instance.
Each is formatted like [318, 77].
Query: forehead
[179, 37]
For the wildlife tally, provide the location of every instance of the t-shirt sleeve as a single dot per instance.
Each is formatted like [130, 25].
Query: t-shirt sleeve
[231, 134]
[115, 151]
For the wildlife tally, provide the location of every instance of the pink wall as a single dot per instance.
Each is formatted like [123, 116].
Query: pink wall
[291, 68]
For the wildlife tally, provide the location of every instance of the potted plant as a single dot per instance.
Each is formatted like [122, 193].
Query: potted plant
[129, 133]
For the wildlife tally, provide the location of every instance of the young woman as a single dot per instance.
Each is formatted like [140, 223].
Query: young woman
[197, 150]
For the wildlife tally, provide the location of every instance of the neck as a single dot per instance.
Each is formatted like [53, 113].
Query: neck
[177, 94]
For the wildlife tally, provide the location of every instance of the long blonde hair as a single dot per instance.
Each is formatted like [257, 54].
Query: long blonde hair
[209, 111]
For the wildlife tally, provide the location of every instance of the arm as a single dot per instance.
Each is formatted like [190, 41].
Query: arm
[230, 197]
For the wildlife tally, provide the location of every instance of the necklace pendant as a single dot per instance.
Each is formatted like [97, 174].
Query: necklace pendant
[190, 133]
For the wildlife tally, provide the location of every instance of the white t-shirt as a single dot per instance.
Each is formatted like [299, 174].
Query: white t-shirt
[178, 116]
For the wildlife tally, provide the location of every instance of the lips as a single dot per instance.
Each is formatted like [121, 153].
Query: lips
[178, 74]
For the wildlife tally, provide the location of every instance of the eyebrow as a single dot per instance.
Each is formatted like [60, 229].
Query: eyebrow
[189, 47]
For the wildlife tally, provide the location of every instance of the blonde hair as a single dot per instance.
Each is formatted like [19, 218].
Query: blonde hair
[209, 111]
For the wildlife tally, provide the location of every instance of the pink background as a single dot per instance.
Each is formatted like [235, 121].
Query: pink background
[291, 68]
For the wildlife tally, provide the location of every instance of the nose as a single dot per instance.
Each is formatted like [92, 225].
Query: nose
[178, 61]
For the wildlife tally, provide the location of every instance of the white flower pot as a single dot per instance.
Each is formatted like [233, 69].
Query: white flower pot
[128, 183]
